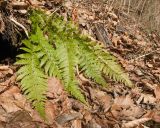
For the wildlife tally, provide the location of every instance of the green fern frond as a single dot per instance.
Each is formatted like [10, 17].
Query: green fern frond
[67, 57]
[74, 90]
[33, 80]
[110, 67]
[89, 64]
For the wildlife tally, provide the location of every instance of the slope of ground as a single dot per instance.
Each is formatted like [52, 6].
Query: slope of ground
[113, 107]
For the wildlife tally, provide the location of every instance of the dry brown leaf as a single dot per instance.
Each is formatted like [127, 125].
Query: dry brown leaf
[11, 91]
[135, 123]
[125, 109]
[129, 67]
[8, 104]
[155, 115]
[6, 70]
[62, 119]
[66, 103]
[115, 40]
[123, 101]
[157, 93]
[142, 43]
[149, 65]
[51, 111]
[56, 91]
[20, 101]
[55, 88]
[138, 37]
[36, 117]
[94, 124]
[20, 119]
[147, 99]
[76, 124]
[5, 86]
[103, 98]
[87, 116]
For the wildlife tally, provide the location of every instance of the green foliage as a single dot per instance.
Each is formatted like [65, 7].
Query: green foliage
[33, 80]
[55, 48]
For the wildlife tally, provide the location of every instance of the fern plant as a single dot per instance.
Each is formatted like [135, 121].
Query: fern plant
[55, 48]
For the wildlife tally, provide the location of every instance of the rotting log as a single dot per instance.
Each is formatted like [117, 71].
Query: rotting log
[12, 24]
[12, 30]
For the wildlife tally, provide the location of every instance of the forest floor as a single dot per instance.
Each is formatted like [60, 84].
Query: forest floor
[115, 106]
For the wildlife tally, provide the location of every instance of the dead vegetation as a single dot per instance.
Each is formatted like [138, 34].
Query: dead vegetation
[114, 107]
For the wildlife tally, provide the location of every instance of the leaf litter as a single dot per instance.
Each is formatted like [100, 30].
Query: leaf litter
[115, 106]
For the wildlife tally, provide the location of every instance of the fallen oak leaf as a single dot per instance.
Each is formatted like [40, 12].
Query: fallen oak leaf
[124, 108]
[7, 84]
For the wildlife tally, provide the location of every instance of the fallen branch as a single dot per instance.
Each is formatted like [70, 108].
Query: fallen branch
[144, 55]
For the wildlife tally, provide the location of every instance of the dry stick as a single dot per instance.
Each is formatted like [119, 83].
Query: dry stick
[55, 11]
[145, 55]
[20, 25]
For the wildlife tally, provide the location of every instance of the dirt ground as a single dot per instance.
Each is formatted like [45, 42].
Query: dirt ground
[115, 106]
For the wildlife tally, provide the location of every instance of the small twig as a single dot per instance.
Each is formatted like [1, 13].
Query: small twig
[20, 25]
[129, 4]
[145, 55]
[55, 10]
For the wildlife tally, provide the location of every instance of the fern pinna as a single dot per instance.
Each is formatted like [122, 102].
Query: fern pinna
[55, 48]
